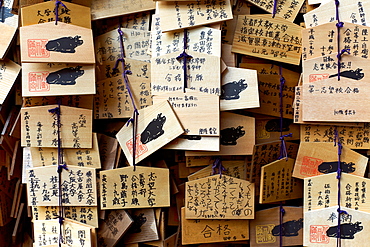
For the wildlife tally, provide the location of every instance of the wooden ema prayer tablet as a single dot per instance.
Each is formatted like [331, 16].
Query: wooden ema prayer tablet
[269, 38]
[321, 228]
[265, 228]
[64, 43]
[218, 197]
[146, 187]
[108, 48]
[109, 8]
[268, 129]
[144, 220]
[179, 15]
[85, 215]
[24, 3]
[277, 183]
[322, 40]
[234, 168]
[269, 89]
[195, 142]
[7, 37]
[82, 157]
[237, 136]
[78, 186]
[287, 10]
[83, 101]
[113, 227]
[40, 128]
[26, 163]
[349, 11]
[326, 68]
[41, 79]
[320, 158]
[8, 17]
[239, 89]
[322, 192]
[46, 233]
[335, 101]
[212, 231]
[201, 39]
[112, 99]
[157, 125]
[9, 71]
[45, 12]
[168, 73]
[198, 113]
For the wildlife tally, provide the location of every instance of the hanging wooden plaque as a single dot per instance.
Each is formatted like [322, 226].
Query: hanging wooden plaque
[276, 39]
[9, 71]
[83, 101]
[268, 129]
[320, 158]
[144, 187]
[214, 198]
[277, 183]
[41, 79]
[144, 227]
[321, 228]
[64, 43]
[234, 168]
[78, 186]
[157, 125]
[322, 192]
[39, 127]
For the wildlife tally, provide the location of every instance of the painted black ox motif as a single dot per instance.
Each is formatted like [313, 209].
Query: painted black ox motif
[351, 74]
[328, 167]
[154, 129]
[229, 136]
[289, 228]
[64, 44]
[231, 90]
[347, 230]
[273, 125]
[66, 76]
[139, 220]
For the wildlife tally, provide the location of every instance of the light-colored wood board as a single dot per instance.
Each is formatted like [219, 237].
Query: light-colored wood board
[168, 73]
[112, 99]
[322, 192]
[212, 231]
[198, 113]
[335, 101]
[234, 168]
[78, 186]
[277, 183]
[265, 228]
[101, 9]
[322, 40]
[26, 163]
[237, 136]
[108, 47]
[268, 129]
[227, 56]
[144, 228]
[50, 79]
[85, 215]
[40, 127]
[8, 17]
[66, 44]
[7, 37]
[239, 89]
[157, 125]
[325, 68]
[44, 12]
[137, 189]
[197, 142]
[46, 233]
[349, 11]
[179, 15]
[83, 101]
[350, 136]
[24, 3]
[278, 39]
[113, 227]
[9, 71]
[320, 228]
[200, 39]
[214, 198]
[321, 158]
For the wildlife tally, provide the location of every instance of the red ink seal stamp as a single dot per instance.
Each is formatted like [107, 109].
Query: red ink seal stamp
[37, 48]
[309, 166]
[318, 234]
[37, 82]
[140, 147]
[318, 77]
